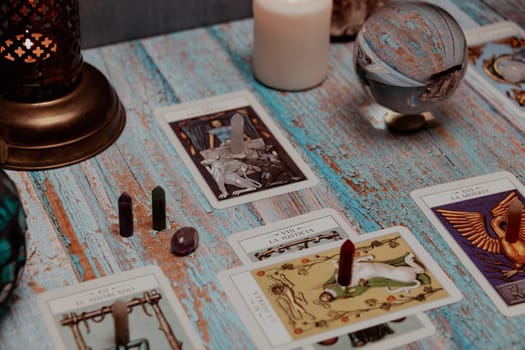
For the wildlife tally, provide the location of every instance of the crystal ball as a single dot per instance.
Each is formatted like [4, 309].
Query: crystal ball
[409, 56]
[12, 238]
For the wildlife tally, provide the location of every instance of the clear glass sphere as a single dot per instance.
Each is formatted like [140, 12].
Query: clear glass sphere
[410, 56]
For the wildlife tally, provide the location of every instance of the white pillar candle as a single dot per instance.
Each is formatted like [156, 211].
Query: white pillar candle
[291, 42]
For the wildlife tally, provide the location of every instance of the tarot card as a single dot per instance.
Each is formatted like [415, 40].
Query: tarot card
[294, 300]
[290, 235]
[234, 150]
[471, 216]
[384, 336]
[497, 59]
[80, 316]
[312, 230]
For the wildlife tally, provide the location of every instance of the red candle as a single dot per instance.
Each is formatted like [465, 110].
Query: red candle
[512, 231]
[346, 258]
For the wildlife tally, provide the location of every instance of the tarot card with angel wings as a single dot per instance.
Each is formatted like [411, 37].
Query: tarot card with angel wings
[472, 216]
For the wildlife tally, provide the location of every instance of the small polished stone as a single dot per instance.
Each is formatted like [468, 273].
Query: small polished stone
[184, 241]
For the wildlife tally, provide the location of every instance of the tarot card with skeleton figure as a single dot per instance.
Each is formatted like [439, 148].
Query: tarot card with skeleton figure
[234, 150]
[295, 300]
[80, 317]
[316, 229]
[497, 61]
[473, 217]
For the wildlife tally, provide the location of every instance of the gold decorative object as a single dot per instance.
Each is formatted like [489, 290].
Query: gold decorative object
[55, 109]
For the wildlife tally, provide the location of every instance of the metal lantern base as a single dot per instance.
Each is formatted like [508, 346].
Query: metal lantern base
[67, 130]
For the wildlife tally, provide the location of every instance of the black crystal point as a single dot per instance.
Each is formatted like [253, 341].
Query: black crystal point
[125, 215]
[158, 208]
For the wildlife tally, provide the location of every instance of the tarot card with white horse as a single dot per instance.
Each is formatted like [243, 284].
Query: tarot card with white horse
[295, 300]
[80, 317]
[234, 150]
[472, 215]
[316, 229]
[497, 61]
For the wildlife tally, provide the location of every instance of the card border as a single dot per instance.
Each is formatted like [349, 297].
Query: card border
[483, 35]
[259, 338]
[119, 277]
[484, 284]
[235, 239]
[166, 115]
[401, 340]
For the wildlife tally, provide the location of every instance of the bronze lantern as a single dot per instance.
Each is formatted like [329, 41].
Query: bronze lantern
[55, 109]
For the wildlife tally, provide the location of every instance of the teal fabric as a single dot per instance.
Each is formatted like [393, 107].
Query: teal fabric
[12, 239]
[8, 208]
[7, 274]
[5, 250]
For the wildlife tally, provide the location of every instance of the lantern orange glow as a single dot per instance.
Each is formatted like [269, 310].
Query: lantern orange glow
[55, 109]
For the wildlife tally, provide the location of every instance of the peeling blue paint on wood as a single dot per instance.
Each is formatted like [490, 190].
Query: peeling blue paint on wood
[366, 173]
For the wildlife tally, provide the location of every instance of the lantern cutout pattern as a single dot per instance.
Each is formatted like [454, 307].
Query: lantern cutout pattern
[55, 109]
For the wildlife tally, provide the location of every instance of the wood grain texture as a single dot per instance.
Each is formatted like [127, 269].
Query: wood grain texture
[366, 173]
[512, 10]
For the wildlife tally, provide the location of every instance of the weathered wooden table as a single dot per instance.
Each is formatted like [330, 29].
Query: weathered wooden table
[366, 173]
